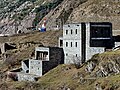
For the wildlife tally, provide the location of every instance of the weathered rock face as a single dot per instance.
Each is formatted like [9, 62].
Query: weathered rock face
[24, 16]
[94, 10]
[61, 13]
[71, 11]
[13, 27]
[16, 17]
[91, 66]
[101, 68]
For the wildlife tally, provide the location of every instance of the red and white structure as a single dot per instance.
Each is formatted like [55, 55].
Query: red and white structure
[43, 28]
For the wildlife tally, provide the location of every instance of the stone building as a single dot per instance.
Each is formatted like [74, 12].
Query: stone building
[46, 58]
[81, 41]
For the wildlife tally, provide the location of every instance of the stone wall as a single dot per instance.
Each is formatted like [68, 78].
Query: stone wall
[94, 50]
[35, 67]
[90, 38]
[56, 58]
[26, 77]
[25, 66]
[70, 35]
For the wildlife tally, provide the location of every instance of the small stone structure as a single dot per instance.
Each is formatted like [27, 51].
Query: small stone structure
[46, 58]
[6, 46]
[82, 40]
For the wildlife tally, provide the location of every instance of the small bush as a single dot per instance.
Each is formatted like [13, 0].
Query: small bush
[77, 62]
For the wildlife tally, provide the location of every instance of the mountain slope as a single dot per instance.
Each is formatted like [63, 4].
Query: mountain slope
[23, 15]
[101, 72]
[94, 10]
[27, 15]
[74, 11]
[90, 76]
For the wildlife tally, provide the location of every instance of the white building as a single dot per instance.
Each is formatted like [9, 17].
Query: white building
[82, 40]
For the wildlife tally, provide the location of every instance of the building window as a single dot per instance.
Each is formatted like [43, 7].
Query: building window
[66, 54]
[71, 44]
[66, 32]
[76, 55]
[38, 68]
[75, 44]
[71, 31]
[68, 25]
[61, 43]
[76, 31]
[66, 44]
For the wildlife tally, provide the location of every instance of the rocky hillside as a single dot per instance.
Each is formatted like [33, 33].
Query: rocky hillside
[18, 16]
[102, 72]
[94, 10]
[26, 15]
[24, 48]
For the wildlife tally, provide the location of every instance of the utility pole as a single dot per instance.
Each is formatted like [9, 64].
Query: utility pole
[16, 27]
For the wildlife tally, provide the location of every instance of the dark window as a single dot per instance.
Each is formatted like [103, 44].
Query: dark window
[66, 32]
[0, 51]
[97, 32]
[66, 44]
[71, 31]
[101, 35]
[102, 43]
[75, 44]
[40, 57]
[76, 55]
[71, 44]
[76, 31]
[61, 43]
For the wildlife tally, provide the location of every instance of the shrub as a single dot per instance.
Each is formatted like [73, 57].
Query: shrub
[77, 62]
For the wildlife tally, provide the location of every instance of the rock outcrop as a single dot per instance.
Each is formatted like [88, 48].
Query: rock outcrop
[104, 66]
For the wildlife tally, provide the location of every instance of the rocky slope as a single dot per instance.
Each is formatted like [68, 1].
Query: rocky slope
[74, 11]
[17, 16]
[102, 72]
[26, 15]
[94, 10]
[24, 48]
